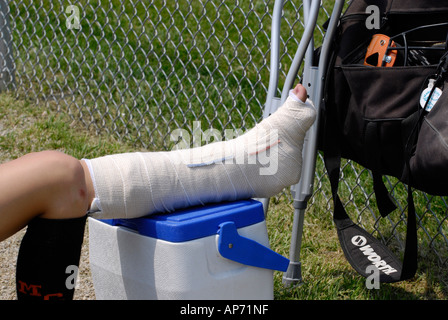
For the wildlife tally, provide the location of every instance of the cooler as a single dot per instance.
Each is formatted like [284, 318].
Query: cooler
[210, 252]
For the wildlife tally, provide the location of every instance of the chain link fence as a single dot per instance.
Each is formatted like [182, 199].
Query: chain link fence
[140, 69]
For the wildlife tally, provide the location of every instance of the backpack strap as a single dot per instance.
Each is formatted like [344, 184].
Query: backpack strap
[361, 249]
[383, 197]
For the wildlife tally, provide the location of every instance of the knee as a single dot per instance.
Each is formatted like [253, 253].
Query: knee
[64, 169]
[66, 182]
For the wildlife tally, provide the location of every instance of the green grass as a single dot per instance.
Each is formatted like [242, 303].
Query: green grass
[136, 78]
[29, 128]
[327, 274]
[127, 55]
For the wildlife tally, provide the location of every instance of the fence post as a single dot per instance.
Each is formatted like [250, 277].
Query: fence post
[7, 77]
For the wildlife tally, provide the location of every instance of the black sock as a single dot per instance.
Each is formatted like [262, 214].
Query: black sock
[48, 260]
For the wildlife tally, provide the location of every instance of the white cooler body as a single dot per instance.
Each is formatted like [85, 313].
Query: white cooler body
[181, 255]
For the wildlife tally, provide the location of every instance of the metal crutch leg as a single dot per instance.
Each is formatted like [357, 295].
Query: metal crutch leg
[314, 80]
[273, 102]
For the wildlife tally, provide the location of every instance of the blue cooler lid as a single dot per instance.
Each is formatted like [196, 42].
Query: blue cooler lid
[196, 222]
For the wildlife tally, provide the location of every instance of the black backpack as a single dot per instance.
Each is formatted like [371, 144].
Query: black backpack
[371, 114]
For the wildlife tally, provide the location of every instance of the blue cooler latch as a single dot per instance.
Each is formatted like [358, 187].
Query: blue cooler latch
[246, 251]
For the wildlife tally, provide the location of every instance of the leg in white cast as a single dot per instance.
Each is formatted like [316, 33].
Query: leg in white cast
[260, 163]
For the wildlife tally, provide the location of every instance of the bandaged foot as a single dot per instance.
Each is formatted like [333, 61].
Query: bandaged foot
[257, 164]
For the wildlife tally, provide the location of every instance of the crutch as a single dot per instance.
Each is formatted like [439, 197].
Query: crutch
[313, 79]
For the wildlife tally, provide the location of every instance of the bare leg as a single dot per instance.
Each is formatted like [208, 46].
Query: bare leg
[48, 192]
[46, 184]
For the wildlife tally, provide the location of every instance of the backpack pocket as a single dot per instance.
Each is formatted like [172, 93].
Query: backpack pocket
[380, 99]
[429, 163]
